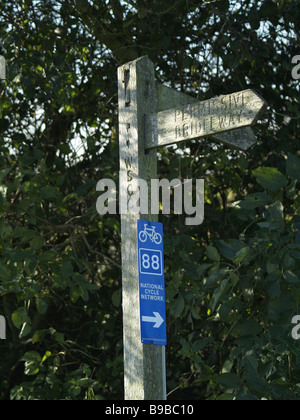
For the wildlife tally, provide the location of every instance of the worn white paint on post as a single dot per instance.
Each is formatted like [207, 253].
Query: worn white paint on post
[202, 119]
[144, 365]
[2, 68]
[2, 328]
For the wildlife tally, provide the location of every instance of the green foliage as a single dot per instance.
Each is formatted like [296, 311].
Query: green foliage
[237, 316]
[232, 284]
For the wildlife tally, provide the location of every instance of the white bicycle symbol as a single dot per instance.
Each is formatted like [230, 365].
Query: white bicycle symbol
[153, 235]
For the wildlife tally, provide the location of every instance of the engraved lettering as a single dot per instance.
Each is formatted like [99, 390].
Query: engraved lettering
[222, 121]
[186, 114]
[177, 114]
[237, 99]
[185, 132]
[126, 87]
[128, 135]
[129, 176]
[194, 111]
[128, 162]
[177, 132]
[216, 115]
[223, 102]
[240, 115]
[198, 130]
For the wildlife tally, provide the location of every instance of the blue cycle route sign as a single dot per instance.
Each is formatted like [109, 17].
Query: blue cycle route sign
[152, 283]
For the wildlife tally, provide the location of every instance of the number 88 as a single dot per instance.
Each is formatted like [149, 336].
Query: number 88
[154, 262]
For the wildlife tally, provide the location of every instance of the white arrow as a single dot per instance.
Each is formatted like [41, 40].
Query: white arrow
[157, 319]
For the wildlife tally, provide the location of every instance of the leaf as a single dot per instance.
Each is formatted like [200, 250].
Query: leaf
[65, 149]
[37, 243]
[75, 293]
[4, 173]
[67, 269]
[59, 338]
[229, 380]
[230, 248]
[19, 317]
[3, 274]
[291, 277]
[278, 306]
[293, 167]
[213, 254]
[177, 306]
[273, 265]
[218, 294]
[250, 362]
[275, 213]
[245, 395]
[46, 356]
[270, 178]
[215, 277]
[41, 306]
[84, 293]
[274, 290]
[204, 267]
[248, 327]
[39, 335]
[234, 279]
[32, 361]
[242, 254]
[25, 330]
[256, 382]
[59, 60]
[253, 201]
[227, 366]
[49, 193]
[2, 226]
[116, 298]
[31, 356]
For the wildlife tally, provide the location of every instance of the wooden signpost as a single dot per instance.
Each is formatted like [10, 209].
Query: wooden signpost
[150, 116]
[241, 139]
[201, 119]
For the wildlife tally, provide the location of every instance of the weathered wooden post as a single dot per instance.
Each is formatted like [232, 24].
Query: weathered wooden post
[144, 365]
[2, 328]
[2, 68]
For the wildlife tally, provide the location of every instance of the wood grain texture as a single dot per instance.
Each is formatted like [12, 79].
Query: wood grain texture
[208, 118]
[168, 98]
[143, 364]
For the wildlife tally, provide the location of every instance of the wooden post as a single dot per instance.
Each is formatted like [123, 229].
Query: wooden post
[144, 365]
[2, 328]
[2, 68]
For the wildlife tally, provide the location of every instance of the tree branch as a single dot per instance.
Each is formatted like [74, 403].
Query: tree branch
[107, 35]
